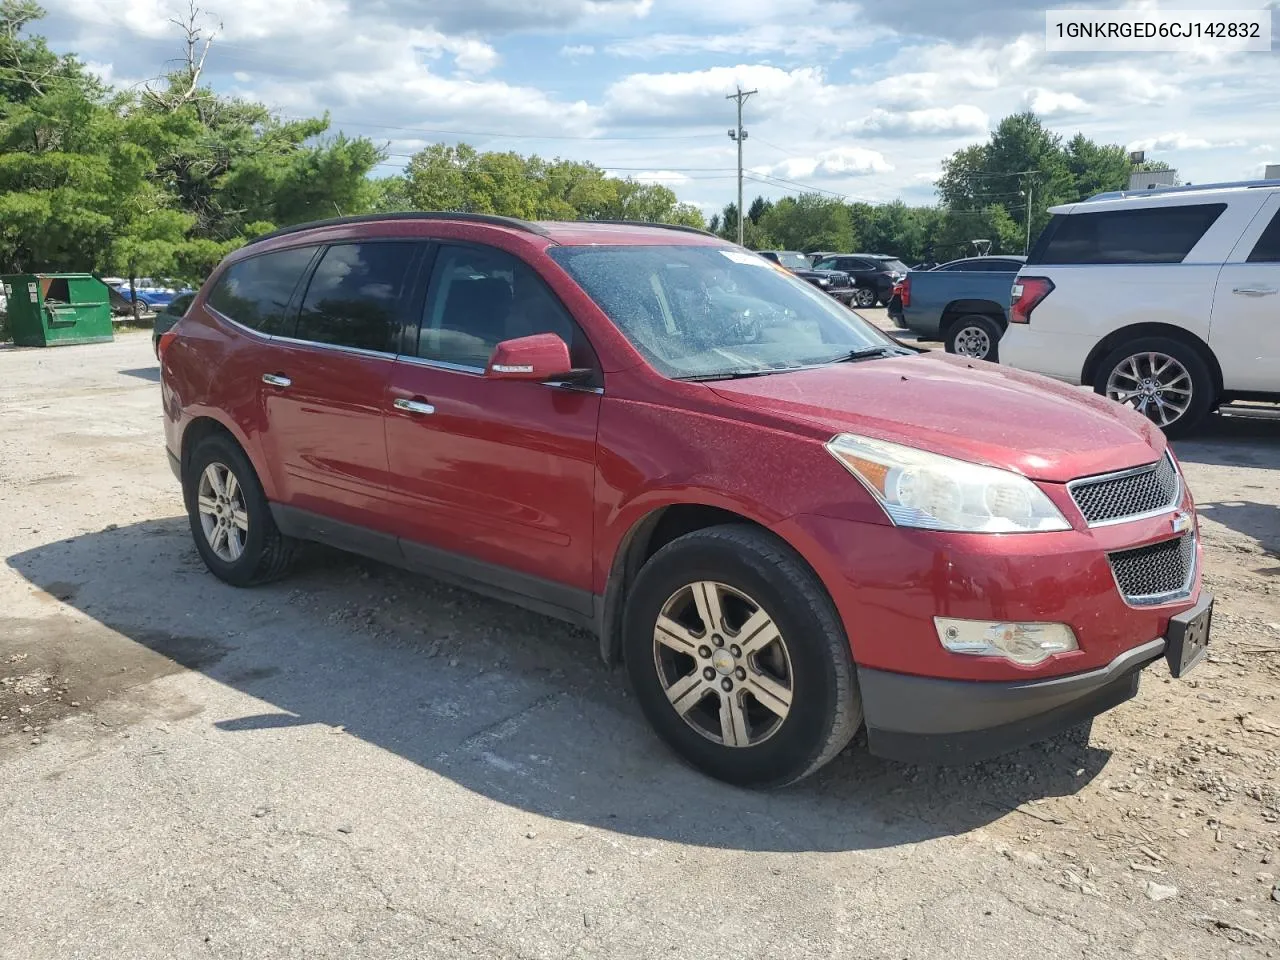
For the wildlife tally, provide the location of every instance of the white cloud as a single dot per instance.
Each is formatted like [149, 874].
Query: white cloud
[1263, 149]
[835, 163]
[1050, 103]
[577, 50]
[1171, 141]
[698, 97]
[932, 121]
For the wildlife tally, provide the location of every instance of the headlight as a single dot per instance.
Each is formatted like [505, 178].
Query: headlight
[823, 281]
[932, 492]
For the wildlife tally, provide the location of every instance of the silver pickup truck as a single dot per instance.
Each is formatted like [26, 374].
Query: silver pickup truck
[964, 303]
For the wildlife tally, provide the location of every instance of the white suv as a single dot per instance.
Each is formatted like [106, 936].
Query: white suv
[1163, 299]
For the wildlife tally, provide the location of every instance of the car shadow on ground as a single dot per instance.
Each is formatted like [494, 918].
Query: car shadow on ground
[505, 703]
[144, 373]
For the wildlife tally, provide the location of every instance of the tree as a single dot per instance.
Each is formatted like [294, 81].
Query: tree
[1023, 169]
[759, 207]
[811, 221]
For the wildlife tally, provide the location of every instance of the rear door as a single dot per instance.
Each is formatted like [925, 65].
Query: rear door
[494, 479]
[1245, 329]
[326, 385]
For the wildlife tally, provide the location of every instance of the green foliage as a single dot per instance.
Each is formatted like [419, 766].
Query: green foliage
[809, 222]
[442, 177]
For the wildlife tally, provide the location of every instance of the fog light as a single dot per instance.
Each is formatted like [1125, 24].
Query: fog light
[1025, 643]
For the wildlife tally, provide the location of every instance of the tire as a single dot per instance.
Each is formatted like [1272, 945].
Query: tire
[864, 297]
[1162, 371]
[968, 336]
[809, 661]
[264, 553]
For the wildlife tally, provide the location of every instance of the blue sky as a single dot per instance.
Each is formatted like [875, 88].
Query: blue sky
[860, 99]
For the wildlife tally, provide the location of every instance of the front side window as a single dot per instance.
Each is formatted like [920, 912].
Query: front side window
[354, 297]
[256, 292]
[1267, 249]
[696, 311]
[1145, 235]
[480, 297]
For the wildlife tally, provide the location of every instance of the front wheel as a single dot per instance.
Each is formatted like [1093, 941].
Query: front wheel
[976, 336]
[231, 520]
[738, 658]
[1165, 380]
[864, 297]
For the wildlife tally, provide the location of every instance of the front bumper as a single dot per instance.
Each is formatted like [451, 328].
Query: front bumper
[925, 720]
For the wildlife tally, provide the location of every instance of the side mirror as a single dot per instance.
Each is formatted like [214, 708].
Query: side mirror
[543, 356]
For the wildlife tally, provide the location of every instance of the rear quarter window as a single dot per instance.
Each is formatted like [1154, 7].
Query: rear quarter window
[256, 292]
[1145, 235]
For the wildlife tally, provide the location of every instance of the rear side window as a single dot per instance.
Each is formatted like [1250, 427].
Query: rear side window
[1267, 249]
[1150, 235]
[355, 295]
[256, 292]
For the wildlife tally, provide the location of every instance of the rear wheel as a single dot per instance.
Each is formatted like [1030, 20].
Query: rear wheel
[976, 336]
[1165, 380]
[230, 518]
[738, 658]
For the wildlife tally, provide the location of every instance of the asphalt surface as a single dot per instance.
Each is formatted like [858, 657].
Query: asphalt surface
[357, 762]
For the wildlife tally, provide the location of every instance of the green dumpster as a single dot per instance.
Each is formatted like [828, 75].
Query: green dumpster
[50, 309]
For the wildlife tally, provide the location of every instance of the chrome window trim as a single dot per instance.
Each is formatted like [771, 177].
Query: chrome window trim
[440, 364]
[1156, 599]
[336, 347]
[1172, 507]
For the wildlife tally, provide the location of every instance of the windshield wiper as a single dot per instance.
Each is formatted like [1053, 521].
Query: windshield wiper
[869, 353]
[734, 374]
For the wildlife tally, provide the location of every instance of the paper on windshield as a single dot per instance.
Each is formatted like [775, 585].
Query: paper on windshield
[750, 259]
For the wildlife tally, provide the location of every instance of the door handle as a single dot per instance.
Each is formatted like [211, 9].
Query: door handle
[414, 406]
[276, 380]
[1254, 291]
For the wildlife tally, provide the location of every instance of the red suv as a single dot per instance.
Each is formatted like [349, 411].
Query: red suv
[786, 523]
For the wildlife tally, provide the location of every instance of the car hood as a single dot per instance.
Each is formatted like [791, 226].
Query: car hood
[968, 409]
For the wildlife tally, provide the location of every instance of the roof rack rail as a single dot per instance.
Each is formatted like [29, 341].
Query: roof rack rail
[496, 221]
[650, 223]
[1185, 188]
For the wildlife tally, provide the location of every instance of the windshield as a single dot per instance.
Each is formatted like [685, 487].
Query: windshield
[705, 311]
[794, 261]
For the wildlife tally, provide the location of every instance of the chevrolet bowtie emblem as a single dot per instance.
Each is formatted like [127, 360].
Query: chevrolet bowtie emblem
[1181, 522]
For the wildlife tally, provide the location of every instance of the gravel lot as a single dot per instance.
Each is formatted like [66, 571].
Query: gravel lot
[360, 762]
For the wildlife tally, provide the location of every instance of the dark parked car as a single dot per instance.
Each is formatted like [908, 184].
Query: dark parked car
[873, 275]
[784, 524]
[167, 316]
[834, 282]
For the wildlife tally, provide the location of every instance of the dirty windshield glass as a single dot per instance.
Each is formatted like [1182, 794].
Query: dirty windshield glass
[704, 311]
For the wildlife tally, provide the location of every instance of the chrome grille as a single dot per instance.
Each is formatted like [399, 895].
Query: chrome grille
[1116, 497]
[1156, 573]
[840, 280]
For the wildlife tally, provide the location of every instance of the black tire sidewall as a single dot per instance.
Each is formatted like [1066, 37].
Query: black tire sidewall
[990, 326]
[862, 292]
[1202, 398]
[791, 750]
[222, 449]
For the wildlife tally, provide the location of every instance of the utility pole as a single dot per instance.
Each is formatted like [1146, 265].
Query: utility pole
[1030, 186]
[738, 136]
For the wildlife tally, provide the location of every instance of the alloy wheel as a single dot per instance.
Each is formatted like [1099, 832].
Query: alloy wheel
[1155, 384]
[723, 664]
[864, 297]
[973, 342]
[224, 515]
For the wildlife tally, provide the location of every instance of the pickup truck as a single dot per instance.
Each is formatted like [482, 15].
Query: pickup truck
[964, 303]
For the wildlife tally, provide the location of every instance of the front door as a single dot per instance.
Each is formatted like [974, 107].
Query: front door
[326, 389]
[493, 478]
[1245, 329]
